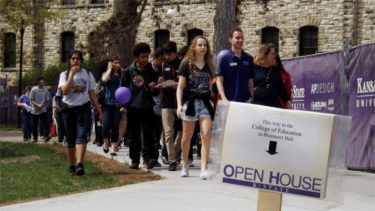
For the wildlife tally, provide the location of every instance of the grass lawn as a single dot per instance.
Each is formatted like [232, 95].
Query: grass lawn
[34, 171]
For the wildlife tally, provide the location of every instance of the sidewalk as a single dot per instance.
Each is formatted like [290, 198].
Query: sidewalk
[176, 193]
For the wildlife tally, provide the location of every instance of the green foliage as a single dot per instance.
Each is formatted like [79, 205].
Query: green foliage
[52, 73]
[31, 13]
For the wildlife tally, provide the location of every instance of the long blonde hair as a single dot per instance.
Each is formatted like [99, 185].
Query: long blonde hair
[261, 54]
[190, 55]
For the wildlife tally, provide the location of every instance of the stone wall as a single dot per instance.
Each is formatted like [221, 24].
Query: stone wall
[340, 23]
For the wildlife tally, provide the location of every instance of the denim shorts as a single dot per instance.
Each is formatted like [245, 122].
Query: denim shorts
[200, 111]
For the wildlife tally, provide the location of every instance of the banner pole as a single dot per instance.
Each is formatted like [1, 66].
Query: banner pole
[269, 201]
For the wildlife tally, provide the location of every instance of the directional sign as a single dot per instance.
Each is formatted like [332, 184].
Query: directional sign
[276, 149]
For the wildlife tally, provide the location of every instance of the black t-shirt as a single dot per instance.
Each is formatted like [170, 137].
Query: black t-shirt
[169, 72]
[197, 80]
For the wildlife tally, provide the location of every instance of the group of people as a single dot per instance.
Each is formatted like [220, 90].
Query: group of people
[35, 105]
[170, 96]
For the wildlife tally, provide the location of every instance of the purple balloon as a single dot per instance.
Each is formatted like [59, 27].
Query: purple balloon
[123, 95]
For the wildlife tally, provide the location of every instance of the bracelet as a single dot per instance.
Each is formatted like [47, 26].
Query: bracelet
[98, 111]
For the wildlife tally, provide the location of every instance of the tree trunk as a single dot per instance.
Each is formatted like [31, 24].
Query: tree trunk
[224, 20]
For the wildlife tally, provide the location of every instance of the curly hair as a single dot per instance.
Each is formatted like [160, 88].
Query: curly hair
[262, 52]
[190, 55]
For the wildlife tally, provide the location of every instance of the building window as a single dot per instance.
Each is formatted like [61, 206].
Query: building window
[193, 33]
[97, 1]
[161, 37]
[10, 50]
[68, 2]
[270, 35]
[308, 40]
[67, 45]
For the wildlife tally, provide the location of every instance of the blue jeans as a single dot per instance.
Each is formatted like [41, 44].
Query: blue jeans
[77, 123]
[111, 121]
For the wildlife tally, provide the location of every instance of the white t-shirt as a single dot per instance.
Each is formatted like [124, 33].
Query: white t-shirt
[82, 82]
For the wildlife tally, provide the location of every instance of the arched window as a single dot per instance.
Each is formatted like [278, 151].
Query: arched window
[67, 45]
[68, 2]
[161, 37]
[270, 35]
[193, 33]
[10, 50]
[308, 40]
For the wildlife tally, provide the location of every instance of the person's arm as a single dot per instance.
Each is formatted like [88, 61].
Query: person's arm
[107, 74]
[251, 87]
[220, 87]
[20, 101]
[179, 93]
[67, 86]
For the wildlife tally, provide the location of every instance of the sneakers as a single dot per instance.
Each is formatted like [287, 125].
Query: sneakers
[172, 166]
[185, 171]
[134, 166]
[204, 174]
[46, 139]
[191, 163]
[164, 160]
[151, 164]
[80, 170]
[72, 170]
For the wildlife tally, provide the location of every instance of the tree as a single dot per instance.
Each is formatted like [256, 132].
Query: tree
[224, 20]
[117, 36]
[30, 11]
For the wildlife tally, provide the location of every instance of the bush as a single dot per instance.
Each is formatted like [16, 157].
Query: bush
[52, 73]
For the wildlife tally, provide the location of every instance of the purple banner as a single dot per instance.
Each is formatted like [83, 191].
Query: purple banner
[316, 82]
[361, 151]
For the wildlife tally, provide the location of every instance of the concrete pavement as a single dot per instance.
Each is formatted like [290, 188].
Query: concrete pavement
[176, 193]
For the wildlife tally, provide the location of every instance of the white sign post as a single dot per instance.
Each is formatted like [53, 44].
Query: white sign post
[276, 150]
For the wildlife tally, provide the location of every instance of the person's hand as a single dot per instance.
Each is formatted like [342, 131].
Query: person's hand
[74, 70]
[110, 65]
[160, 80]
[152, 85]
[122, 110]
[179, 111]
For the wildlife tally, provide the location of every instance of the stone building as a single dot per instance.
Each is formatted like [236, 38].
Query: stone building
[296, 27]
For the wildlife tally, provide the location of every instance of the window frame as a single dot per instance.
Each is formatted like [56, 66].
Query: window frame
[65, 52]
[10, 52]
[159, 42]
[272, 32]
[308, 40]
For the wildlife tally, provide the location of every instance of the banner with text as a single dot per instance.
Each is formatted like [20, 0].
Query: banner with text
[361, 150]
[316, 82]
[276, 149]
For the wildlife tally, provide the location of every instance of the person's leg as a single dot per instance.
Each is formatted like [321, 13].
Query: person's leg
[44, 126]
[168, 118]
[116, 116]
[122, 127]
[187, 133]
[83, 126]
[35, 125]
[205, 131]
[70, 125]
[107, 117]
[24, 125]
[148, 146]
[28, 125]
[134, 138]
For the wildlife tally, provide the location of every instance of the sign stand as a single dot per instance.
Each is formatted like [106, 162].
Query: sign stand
[269, 201]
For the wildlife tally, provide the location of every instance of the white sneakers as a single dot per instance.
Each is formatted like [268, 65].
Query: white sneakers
[204, 174]
[185, 171]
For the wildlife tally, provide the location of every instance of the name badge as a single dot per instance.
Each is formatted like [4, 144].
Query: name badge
[233, 64]
[167, 69]
[245, 63]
